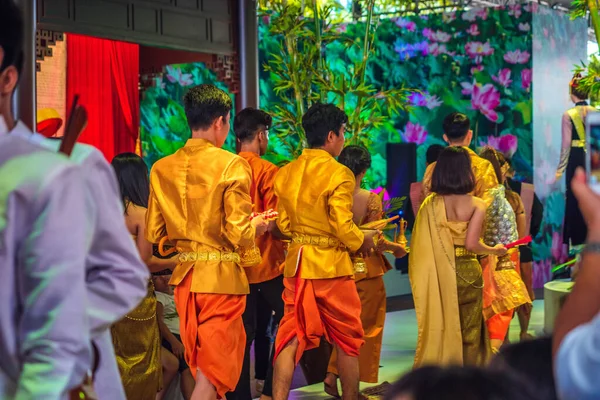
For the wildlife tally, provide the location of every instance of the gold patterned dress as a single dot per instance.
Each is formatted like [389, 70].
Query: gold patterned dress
[447, 287]
[136, 340]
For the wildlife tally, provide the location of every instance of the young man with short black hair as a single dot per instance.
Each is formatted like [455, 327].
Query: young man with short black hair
[200, 201]
[251, 128]
[315, 209]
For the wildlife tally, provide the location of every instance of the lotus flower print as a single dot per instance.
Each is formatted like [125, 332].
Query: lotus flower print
[417, 99]
[526, 77]
[503, 77]
[524, 27]
[506, 144]
[477, 50]
[406, 24]
[174, 75]
[414, 133]
[485, 99]
[473, 30]
[515, 10]
[517, 57]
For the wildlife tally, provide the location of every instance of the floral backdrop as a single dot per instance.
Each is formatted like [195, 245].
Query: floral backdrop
[558, 44]
[477, 62]
[163, 125]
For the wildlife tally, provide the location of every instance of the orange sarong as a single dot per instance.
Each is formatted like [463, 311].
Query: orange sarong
[373, 302]
[320, 307]
[213, 335]
[503, 292]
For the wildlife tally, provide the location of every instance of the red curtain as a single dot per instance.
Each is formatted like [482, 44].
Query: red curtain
[104, 73]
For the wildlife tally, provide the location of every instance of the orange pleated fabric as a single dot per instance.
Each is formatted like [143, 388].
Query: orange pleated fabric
[213, 334]
[320, 307]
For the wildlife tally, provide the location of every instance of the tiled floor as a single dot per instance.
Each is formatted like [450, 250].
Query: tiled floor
[399, 342]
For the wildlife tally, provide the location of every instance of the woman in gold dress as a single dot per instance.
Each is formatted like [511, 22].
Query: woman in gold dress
[136, 337]
[367, 207]
[445, 275]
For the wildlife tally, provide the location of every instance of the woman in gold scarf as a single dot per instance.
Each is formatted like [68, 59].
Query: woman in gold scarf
[445, 275]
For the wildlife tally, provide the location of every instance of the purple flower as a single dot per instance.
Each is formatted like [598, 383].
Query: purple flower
[406, 24]
[485, 99]
[428, 33]
[386, 195]
[558, 247]
[417, 99]
[341, 28]
[414, 133]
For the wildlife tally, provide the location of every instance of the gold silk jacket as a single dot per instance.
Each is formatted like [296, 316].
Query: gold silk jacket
[315, 208]
[485, 177]
[200, 200]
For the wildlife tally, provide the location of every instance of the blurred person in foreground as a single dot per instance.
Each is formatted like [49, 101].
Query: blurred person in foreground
[459, 383]
[576, 344]
[114, 274]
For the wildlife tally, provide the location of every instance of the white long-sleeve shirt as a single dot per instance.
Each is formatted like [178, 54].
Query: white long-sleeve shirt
[577, 364]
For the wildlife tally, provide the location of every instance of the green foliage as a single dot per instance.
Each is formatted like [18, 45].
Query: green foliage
[164, 128]
[310, 61]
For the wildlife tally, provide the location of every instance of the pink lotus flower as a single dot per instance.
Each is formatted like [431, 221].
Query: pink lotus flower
[473, 30]
[266, 20]
[503, 77]
[341, 28]
[482, 13]
[515, 10]
[436, 49]
[467, 88]
[477, 50]
[526, 78]
[406, 24]
[525, 27]
[441, 37]
[485, 99]
[174, 75]
[517, 57]
[506, 144]
[414, 133]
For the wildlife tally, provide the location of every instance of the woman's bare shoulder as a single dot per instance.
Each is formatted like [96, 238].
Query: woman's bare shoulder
[478, 203]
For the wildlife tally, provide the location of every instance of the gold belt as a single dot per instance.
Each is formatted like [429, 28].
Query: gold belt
[209, 256]
[577, 143]
[321, 241]
[460, 251]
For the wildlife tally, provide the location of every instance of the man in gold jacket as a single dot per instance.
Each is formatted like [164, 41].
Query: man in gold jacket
[251, 128]
[315, 209]
[200, 201]
[457, 132]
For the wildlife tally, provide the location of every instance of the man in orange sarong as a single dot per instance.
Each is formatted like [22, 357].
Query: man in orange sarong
[251, 129]
[200, 201]
[315, 210]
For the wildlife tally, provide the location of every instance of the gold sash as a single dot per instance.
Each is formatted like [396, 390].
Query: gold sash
[579, 127]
